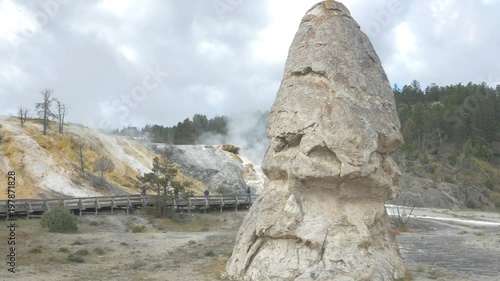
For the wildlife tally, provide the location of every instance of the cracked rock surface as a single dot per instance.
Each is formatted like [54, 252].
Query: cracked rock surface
[332, 127]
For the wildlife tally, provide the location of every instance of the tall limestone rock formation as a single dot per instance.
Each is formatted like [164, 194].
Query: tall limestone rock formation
[332, 127]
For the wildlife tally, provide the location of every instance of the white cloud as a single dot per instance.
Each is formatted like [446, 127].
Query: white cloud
[407, 49]
[117, 7]
[13, 21]
[93, 51]
[128, 53]
[275, 40]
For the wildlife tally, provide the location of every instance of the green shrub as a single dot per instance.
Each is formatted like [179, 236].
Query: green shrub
[99, 251]
[453, 160]
[408, 276]
[470, 204]
[210, 253]
[75, 258]
[82, 252]
[59, 220]
[35, 250]
[63, 250]
[138, 228]
[495, 198]
[436, 274]
[424, 160]
[489, 184]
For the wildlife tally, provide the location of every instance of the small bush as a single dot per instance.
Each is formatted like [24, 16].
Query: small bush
[94, 223]
[63, 250]
[82, 252]
[495, 198]
[430, 169]
[489, 184]
[453, 160]
[436, 274]
[420, 268]
[138, 228]
[77, 243]
[36, 250]
[470, 204]
[75, 258]
[191, 242]
[59, 220]
[408, 276]
[100, 251]
[210, 253]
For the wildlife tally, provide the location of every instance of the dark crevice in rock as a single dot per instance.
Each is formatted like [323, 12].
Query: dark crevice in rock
[309, 70]
[286, 141]
[255, 250]
[323, 249]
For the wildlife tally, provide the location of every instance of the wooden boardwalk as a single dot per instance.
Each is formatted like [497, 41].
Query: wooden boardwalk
[36, 207]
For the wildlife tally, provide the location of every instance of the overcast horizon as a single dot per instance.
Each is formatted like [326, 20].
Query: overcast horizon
[118, 63]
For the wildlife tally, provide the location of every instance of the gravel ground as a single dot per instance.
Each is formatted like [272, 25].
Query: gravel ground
[440, 245]
[452, 245]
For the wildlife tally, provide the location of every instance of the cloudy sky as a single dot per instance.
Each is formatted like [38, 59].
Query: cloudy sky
[134, 62]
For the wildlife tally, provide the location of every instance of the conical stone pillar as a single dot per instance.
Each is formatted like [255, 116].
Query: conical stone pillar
[332, 127]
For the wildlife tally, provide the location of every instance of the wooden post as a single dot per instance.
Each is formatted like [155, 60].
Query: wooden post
[113, 205]
[80, 206]
[237, 203]
[29, 209]
[46, 206]
[96, 205]
[128, 204]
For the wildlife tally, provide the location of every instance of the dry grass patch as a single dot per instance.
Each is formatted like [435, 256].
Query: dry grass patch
[188, 225]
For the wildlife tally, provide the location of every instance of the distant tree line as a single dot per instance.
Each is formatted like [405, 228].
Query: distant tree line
[464, 116]
[185, 132]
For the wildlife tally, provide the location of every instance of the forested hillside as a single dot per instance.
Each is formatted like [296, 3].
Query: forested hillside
[451, 134]
[185, 132]
[250, 126]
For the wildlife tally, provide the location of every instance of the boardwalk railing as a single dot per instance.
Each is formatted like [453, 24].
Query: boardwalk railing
[35, 207]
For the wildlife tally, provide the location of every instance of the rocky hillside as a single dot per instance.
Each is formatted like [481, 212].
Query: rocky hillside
[422, 192]
[217, 168]
[49, 165]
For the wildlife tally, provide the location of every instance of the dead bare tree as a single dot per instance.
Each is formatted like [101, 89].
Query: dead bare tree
[23, 115]
[400, 217]
[103, 165]
[43, 108]
[79, 147]
[82, 162]
[62, 111]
